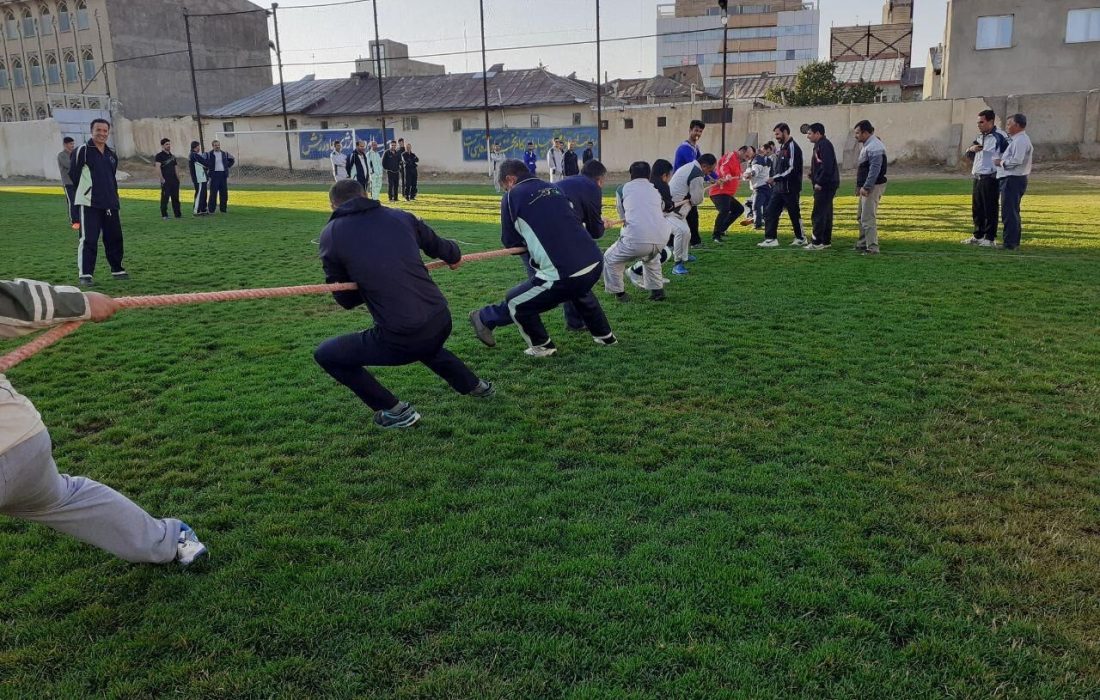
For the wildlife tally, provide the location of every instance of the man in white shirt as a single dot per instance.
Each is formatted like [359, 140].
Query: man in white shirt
[555, 161]
[985, 198]
[220, 162]
[1013, 168]
[688, 188]
[644, 235]
[339, 161]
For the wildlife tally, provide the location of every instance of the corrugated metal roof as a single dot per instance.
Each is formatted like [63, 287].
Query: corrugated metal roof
[300, 96]
[660, 88]
[884, 70]
[914, 77]
[754, 88]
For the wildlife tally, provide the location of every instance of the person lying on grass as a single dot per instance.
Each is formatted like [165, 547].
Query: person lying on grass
[378, 248]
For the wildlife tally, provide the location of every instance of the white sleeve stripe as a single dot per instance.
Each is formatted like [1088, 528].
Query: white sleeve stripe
[47, 297]
[36, 300]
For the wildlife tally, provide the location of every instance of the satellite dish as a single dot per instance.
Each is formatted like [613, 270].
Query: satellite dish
[805, 129]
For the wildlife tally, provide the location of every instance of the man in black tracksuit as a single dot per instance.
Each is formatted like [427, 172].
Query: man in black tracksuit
[409, 161]
[93, 168]
[825, 177]
[379, 249]
[198, 168]
[537, 215]
[786, 189]
[391, 163]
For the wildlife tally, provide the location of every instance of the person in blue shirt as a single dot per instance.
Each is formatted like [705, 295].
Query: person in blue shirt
[530, 158]
[567, 263]
[688, 152]
[93, 168]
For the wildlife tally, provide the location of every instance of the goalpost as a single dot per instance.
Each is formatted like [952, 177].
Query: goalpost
[261, 156]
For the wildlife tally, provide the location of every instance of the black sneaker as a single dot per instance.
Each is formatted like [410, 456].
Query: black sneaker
[483, 332]
[402, 416]
[483, 390]
[121, 275]
[657, 295]
[623, 297]
[608, 339]
[86, 281]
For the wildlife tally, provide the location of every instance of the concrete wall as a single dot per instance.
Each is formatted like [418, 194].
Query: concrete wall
[30, 148]
[1039, 60]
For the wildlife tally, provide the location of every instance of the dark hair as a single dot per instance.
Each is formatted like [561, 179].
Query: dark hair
[99, 120]
[988, 114]
[530, 143]
[68, 139]
[818, 128]
[769, 144]
[866, 127]
[639, 169]
[589, 143]
[165, 140]
[337, 142]
[661, 167]
[783, 126]
[697, 124]
[708, 160]
[593, 169]
[1020, 119]
[515, 168]
[194, 145]
[345, 191]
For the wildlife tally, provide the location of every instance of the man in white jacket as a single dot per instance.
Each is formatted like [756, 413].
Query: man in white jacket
[688, 183]
[644, 234]
[31, 487]
[555, 161]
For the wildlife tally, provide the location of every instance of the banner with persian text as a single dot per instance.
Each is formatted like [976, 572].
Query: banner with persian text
[513, 142]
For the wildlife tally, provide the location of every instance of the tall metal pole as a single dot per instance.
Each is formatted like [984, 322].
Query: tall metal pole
[103, 56]
[194, 83]
[282, 86]
[60, 59]
[725, 69]
[599, 88]
[11, 79]
[485, 83]
[378, 70]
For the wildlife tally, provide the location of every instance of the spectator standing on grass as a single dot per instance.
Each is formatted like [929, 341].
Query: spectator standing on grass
[375, 170]
[688, 152]
[786, 185]
[165, 165]
[643, 236]
[401, 165]
[391, 163]
[379, 248]
[724, 193]
[588, 153]
[825, 178]
[496, 157]
[95, 164]
[196, 166]
[585, 193]
[569, 162]
[219, 162]
[1013, 169]
[31, 487]
[530, 158]
[757, 173]
[985, 197]
[64, 160]
[688, 189]
[555, 161]
[409, 162]
[357, 165]
[870, 185]
[339, 161]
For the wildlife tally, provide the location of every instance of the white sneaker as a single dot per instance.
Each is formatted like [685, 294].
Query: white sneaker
[768, 243]
[971, 241]
[798, 242]
[987, 244]
[635, 278]
[541, 350]
[188, 548]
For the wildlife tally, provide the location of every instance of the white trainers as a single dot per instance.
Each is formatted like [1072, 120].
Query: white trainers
[987, 244]
[798, 242]
[768, 243]
[635, 278]
[971, 241]
[541, 350]
[188, 548]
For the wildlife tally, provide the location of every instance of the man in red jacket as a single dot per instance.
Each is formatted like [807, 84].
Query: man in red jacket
[724, 194]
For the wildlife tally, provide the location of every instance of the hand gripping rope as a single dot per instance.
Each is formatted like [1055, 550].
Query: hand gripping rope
[53, 335]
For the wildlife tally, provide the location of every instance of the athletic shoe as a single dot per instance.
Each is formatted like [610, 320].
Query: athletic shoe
[608, 339]
[859, 248]
[679, 269]
[972, 241]
[623, 297]
[768, 243]
[121, 275]
[403, 415]
[799, 242]
[870, 252]
[819, 246]
[717, 239]
[86, 281]
[545, 350]
[692, 258]
[483, 332]
[987, 244]
[483, 390]
[636, 279]
[748, 222]
[696, 245]
[657, 295]
[164, 218]
[188, 548]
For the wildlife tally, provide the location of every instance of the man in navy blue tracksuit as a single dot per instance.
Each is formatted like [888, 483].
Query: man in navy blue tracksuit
[199, 169]
[585, 193]
[93, 168]
[567, 263]
[219, 162]
[378, 248]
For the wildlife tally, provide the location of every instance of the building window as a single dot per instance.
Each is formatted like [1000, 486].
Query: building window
[18, 76]
[11, 27]
[534, 121]
[64, 21]
[36, 70]
[293, 124]
[28, 23]
[24, 113]
[576, 118]
[662, 121]
[604, 125]
[72, 73]
[1083, 25]
[93, 103]
[89, 64]
[53, 70]
[790, 54]
[82, 15]
[628, 123]
[3, 74]
[45, 20]
[75, 103]
[410, 123]
[227, 128]
[40, 112]
[994, 32]
[324, 123]
[456, 124]
[714, 116]
[6, 114]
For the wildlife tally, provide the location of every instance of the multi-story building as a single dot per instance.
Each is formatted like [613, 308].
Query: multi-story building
[129, 56]
[878, 53]
[1019, 47]
[393, 57]
[775, 37]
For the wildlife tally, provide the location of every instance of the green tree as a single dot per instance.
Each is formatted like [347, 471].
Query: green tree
[816, 85]
[862, 92]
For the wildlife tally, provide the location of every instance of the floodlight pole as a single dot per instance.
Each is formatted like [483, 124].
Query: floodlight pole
[725, 69]
[599, 88]
[194, 83]
[378, 70]
[282, 85]
[485, 85]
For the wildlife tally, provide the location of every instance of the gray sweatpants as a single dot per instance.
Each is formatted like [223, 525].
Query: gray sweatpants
[623, 253]
[32, 489]
[868, 218]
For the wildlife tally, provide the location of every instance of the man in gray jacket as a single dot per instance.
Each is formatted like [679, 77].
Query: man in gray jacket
[1013, 169]
[31, 487]
[870, 185]
[644, 235]
[64, 160]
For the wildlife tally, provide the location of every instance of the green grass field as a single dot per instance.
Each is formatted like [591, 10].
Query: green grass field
[805, 475]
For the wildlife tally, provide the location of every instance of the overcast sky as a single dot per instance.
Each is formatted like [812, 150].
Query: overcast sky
[328, 39]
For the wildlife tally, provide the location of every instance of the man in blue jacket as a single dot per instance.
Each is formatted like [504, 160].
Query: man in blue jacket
[530, 158]
[378, 248]
[567, 263]
[688, 152]
[93, 168]
[219, 162]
